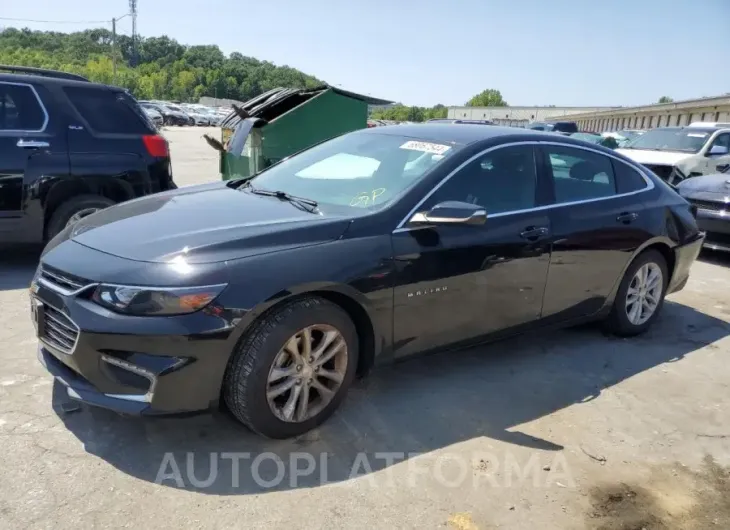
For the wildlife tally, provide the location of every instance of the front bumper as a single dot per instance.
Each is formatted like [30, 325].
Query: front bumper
[717, 226]
[133, 365]
[684, 256]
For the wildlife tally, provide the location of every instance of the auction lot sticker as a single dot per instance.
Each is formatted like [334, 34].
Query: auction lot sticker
[426, 147]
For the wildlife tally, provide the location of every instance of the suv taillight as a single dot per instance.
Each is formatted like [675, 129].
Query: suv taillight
[156, 145]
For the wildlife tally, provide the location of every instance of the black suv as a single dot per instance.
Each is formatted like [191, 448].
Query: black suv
[69, 147]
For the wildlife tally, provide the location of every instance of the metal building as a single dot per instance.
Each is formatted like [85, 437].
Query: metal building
[711, 109]
[518, 116]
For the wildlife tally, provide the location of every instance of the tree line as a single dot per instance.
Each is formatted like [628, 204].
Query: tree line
[162, 68]
[487, 98]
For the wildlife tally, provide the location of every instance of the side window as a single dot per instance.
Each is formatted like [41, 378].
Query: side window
[502, 180]
[108, 111]
[627, 178]
[723, 140]
[20, 109]
[579, 174]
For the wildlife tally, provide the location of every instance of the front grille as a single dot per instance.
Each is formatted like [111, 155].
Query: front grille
[61, 280]
[58, 330]
[663, 172]
[718, 238]
[713, 206]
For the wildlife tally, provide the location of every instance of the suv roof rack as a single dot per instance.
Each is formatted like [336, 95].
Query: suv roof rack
[41, 71]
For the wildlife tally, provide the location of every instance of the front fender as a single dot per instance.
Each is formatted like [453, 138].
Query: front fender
[358, 272]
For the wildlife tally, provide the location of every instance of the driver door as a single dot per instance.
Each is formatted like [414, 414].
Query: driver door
[718, 163]
[458, 283]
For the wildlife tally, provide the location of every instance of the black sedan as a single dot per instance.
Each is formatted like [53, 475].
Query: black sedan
[270, 295]
[710, 194]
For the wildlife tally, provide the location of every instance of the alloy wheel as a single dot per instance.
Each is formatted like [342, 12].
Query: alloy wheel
[75, 218]
[307, 373]
[644, 293]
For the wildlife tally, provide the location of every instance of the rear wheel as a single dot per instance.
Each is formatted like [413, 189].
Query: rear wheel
[293, 369]
[640, 296]
[73, 210]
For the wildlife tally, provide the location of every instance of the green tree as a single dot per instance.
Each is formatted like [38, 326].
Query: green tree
[487, 98]
[665, 99]
[166, 69]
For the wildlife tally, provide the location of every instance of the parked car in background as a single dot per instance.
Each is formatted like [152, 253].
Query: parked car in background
[270, 294]
[595, 138]
[677, 153]
[154, 116]
[624, 136]
[449, 120]
[723, 124]
[539, 126]
[189, 120]
[69, 148]
[199, 117]
[710, 194]
[169, 116]
[567, 127]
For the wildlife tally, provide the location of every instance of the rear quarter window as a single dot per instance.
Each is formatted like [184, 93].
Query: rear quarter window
[109, 111]
[628, 179]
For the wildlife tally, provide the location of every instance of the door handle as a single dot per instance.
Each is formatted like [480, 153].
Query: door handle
[722, 167]
[31, 144]
[627, 217]
[534, 232]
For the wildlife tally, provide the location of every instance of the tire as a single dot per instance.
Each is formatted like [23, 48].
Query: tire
[166, 121]
[618, 321]
[66, 210]
[246, 381]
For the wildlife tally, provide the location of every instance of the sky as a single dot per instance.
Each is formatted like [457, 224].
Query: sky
[424, 52]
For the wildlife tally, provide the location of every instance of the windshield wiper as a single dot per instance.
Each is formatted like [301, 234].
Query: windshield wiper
[306, 204]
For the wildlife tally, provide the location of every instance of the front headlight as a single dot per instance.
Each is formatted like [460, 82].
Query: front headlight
[155, 300]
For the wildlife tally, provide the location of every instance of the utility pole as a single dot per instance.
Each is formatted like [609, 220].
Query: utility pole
[133, 13]
[114, 49]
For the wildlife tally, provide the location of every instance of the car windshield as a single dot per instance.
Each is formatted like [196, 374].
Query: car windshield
[682, 140]
[173, 107]
[362, 170]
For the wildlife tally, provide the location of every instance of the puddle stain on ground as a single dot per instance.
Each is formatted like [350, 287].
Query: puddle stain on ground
[462, 521]
[677, 500]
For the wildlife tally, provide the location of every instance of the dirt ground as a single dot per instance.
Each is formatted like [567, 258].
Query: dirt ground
[562, 430]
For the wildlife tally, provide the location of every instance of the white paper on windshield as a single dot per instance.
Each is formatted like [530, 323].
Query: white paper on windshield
[426, 147]
[697, 135]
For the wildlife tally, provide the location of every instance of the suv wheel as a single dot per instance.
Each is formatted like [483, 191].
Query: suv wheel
[293, 369]
[640, 296]
[73, 210]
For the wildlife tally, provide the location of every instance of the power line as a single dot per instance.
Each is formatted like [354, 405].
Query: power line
[56, 21]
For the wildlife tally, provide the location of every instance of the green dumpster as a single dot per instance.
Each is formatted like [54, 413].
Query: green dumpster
[283, 121]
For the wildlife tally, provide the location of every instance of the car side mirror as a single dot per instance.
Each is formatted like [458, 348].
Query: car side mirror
[451, 213]
[718, 150]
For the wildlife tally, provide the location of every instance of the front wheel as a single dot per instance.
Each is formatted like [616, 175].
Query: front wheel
[293, 369]
[640, 296]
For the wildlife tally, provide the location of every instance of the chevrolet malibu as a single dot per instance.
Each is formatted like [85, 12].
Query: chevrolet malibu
[269, 295]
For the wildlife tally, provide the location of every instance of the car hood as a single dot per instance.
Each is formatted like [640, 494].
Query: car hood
[204, 224]
[718, 183]
[642, 156]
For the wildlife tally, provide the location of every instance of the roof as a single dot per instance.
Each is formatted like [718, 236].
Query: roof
[42, 80]
[460, 133]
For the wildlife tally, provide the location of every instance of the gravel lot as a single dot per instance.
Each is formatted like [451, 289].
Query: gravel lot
[561, 430]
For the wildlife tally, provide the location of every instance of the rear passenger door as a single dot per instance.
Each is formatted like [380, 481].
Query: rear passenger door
[597, 223]
[106, 140]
